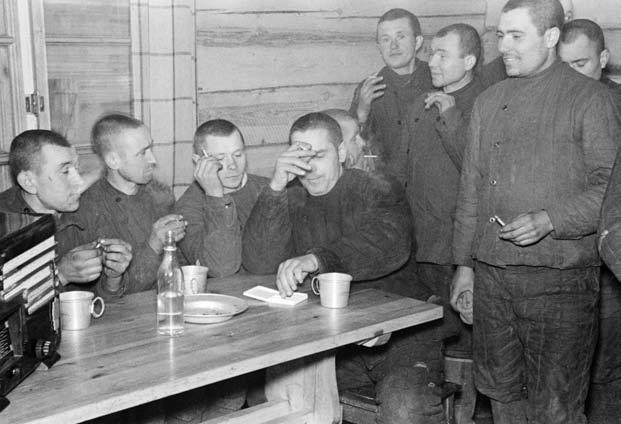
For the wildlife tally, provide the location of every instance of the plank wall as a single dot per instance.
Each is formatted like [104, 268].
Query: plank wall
[262, 64]
[88, 55]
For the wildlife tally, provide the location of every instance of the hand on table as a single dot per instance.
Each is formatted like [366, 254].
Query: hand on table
[440, 99]
[174, 223]
[527, 228]
[291, 163]
[371, 89]
[291, 273]
[82, 264]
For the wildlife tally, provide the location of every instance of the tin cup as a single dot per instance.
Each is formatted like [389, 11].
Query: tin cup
[77, 307]
[194, 279]
[332, 289]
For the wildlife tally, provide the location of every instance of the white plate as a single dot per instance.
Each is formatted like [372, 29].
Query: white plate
[209, 308]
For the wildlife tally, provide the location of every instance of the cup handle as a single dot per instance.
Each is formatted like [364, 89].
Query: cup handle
[92, 308]
[314, 288]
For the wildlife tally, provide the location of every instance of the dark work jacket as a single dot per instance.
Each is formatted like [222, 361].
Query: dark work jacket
[108, 213]
[493, 72]
[361, 227]
[386, 124]
[437, 144]
[545, 142]
[11, 200]
[610, 222]
[215, 225]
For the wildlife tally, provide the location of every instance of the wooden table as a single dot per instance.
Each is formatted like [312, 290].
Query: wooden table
[120, 361]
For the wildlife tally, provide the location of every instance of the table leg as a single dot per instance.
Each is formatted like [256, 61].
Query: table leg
[309, 384]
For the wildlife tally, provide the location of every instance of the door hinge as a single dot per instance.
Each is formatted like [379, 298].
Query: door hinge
[35, 103]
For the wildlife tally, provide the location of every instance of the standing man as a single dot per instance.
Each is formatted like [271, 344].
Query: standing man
[45, 168]
[437, 125]
[357, 150]
[582, 47]
[218, 203]
[127, 203]
[380, 101]
[534, 173]
[494, 71]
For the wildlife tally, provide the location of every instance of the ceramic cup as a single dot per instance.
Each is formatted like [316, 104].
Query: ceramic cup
[77, 307]
[332, 289]
[194, 279]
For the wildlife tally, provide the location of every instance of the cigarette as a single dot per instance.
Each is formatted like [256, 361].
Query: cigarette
[205, 153]
[499, 221]
[370, 156]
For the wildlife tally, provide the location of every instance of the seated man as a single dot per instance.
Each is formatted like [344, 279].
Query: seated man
[127, 203]
[44, 166]
[220, 199]
[358, 151]
[342, 221]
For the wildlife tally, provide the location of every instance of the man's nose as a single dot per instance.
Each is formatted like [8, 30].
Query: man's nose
[151, 157]
[504, 43]
[230, 163]
[394, 43]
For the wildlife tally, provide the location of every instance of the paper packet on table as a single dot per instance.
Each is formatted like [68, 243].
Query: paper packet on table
[272, 296]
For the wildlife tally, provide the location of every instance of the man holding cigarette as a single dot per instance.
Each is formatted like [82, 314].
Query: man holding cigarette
[127, 206]
[45, 169]
[539, 157]
[381, 101]
[218, 203]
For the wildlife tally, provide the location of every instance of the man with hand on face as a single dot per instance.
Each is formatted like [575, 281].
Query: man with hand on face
[126, 209]
[332, 219]
[45, 168]
[380, 101]
[218, 203]
[536, 165]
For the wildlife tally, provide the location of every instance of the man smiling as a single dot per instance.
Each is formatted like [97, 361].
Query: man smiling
[539, 157]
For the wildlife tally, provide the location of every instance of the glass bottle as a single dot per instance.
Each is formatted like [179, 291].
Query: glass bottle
[170, 291]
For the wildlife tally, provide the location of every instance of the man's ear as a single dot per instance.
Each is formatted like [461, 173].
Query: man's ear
[27, 182]
[342, 152]
[112, 160]
[470, 62]
[418, 42]
[604, 57]
[552, 36]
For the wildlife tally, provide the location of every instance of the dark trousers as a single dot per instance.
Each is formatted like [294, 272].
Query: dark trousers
[604, 401]
[535, 330]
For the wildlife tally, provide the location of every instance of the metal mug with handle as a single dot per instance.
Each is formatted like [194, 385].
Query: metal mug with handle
[332, 289]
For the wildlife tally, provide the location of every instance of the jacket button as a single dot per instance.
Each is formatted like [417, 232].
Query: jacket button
[493, 182]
